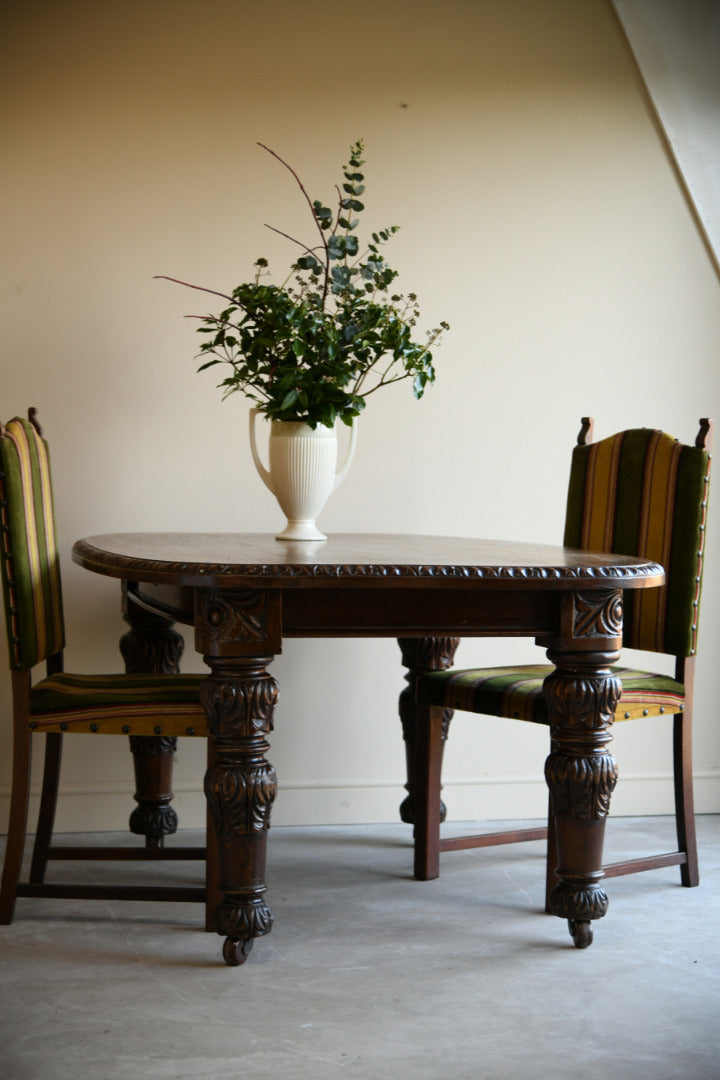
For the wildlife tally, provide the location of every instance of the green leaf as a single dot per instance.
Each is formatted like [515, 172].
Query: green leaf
[336, 247]
[303, 351]
[322, 213]
[289, 400]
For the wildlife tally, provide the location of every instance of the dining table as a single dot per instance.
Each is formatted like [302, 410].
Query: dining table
[244, 593]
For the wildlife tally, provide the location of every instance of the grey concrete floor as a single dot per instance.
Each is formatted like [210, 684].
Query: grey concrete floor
[370, 975]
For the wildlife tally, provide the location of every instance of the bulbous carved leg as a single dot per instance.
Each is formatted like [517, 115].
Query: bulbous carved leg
[240, 785]
[151, 645]
[420, 655]
[153, 817]
[581, 774]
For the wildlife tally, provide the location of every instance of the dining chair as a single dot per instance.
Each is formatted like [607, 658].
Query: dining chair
[639, 492]
[62, 703]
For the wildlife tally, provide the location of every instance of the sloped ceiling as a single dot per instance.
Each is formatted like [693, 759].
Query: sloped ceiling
[676, 44]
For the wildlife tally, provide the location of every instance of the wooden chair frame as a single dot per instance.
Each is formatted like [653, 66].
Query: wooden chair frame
[431, 723]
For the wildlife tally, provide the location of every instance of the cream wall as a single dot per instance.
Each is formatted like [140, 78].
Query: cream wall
[540, 216]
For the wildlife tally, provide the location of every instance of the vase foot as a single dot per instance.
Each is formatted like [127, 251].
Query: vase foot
[301, 530]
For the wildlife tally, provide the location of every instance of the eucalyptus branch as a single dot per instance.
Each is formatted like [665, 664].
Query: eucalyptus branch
[336, 226]
[310, 251]
[201, 288]
[332, 333]
[300, 184]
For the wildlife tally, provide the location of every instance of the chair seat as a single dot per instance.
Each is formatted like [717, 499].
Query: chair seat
[118, 704]
[516, 692]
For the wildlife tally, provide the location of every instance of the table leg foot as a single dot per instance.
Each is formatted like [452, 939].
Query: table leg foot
[236, 952]
[581, 932]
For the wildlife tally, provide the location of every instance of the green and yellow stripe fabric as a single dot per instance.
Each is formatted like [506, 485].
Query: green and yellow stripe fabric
[118, 704]
[30, 565]
[517, 694]
[641, 492]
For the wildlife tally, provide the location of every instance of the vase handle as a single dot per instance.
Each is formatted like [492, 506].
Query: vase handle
[262, 471]
[341, 471]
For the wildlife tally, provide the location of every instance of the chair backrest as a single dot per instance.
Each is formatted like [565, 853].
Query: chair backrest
[30, 565]
[641, 492]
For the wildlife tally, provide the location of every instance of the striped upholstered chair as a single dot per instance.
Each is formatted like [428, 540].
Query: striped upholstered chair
[60, 702]
[639, 492]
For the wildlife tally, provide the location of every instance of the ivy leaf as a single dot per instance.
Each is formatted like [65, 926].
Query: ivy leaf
[289, 400]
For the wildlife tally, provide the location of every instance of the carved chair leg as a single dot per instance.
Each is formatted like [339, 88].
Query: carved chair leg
[153, 646]
[420, 655]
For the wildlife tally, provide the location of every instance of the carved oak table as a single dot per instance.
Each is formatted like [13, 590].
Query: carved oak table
[245, 592]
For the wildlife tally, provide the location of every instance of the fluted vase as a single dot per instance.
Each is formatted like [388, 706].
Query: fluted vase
[303, 471]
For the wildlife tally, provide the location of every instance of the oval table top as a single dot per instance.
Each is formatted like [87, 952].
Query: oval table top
[370, 559]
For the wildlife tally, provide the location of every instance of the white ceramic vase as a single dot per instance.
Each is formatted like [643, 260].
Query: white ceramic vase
[303, 472]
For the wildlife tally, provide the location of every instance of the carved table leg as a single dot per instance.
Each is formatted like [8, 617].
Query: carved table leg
[581, 772]
[240, 785]
[151, 645]
[238, 631]
[420, 655]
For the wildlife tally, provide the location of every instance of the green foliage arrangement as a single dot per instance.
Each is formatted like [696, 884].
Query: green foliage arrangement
[315, 347]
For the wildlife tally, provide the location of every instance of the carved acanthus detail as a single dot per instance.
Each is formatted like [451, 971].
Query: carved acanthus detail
[241, 797]
[420, 655]
[427, 654]
[151, 644]
[153, 820]
[241, 706]
[152, 745]
[589, 901]
[580, 787]
[242, 919]
[577, 701]
[152, 649]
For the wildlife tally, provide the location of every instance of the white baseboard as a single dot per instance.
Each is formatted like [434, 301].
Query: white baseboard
[347, 802]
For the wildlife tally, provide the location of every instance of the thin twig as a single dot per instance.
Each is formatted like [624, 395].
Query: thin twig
[310, 251]
[200, 288]
[300, 184]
